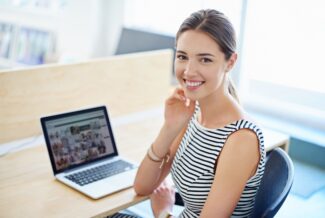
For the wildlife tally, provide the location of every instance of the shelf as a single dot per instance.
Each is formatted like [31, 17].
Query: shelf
[9, 64]
[33, 35]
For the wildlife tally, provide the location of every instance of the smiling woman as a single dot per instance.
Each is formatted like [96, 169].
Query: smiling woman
[207, 141]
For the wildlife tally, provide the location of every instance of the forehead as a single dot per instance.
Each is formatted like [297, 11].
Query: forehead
[193, 41]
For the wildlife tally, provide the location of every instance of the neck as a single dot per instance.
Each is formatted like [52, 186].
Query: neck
[218, 109]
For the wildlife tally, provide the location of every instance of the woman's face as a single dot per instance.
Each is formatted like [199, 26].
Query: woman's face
[200, 66]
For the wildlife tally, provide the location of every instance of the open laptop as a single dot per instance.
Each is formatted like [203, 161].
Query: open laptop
[83, 152]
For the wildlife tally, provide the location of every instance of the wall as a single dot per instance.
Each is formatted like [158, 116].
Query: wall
[89, 29]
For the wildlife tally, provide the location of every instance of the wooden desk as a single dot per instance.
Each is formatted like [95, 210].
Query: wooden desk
[29, 189]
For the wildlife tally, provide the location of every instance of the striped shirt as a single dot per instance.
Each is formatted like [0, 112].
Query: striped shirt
[193, 168]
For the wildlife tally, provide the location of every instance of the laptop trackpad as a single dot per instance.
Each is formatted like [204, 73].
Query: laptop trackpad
[111, 184]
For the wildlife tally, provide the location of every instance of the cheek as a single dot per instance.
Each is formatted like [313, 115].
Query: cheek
[178, 71]
[216, 78]
[220, 78]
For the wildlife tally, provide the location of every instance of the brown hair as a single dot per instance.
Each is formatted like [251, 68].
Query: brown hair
[219, 28]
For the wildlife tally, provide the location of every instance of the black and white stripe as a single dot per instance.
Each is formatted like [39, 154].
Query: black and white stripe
[193, 168]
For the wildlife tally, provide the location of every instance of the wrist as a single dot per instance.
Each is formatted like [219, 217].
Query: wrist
[165, 214]
[153, 157]
[164, 140]
[171, 128]
[168, 133]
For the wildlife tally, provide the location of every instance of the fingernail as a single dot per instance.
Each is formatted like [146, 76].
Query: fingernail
[187, 103]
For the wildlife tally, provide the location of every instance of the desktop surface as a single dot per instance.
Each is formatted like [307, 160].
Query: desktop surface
[29, 188]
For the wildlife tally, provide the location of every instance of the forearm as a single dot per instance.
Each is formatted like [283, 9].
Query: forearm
[150, 173]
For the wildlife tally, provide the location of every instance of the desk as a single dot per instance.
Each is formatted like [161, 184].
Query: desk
[29, 189]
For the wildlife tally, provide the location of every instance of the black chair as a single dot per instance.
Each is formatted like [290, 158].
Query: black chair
[275, 185]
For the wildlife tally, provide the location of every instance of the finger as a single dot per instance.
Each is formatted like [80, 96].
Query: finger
[180, 97]
[179, 91]
[175, 98]
[187, 102]
[158, 190]
[190, 104]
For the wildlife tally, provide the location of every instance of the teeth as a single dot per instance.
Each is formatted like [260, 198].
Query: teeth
[193, 83]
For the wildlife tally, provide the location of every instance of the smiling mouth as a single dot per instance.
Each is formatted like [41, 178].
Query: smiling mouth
[193, 84]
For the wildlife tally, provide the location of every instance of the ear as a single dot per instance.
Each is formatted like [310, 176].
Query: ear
[231, 62]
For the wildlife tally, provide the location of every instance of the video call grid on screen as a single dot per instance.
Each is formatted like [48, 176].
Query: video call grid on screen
[77, 139]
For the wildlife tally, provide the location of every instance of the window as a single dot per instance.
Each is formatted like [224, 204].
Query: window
[282, 66]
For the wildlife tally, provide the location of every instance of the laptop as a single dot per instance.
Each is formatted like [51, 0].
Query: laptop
[83, 152]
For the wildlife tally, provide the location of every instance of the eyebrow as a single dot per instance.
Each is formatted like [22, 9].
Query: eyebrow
[200, 54]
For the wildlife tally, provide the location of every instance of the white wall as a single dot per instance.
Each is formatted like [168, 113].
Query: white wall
[113, 15]
[89, 29]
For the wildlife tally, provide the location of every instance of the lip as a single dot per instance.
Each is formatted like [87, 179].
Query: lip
[193, 84]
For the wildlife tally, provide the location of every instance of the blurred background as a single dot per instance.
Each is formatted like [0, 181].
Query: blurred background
[279, 74]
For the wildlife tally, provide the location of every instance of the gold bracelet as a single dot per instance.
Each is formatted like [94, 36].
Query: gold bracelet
[153, 157]
[165, 214]
[148, 155]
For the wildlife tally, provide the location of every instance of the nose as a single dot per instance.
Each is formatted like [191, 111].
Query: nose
[190, 68]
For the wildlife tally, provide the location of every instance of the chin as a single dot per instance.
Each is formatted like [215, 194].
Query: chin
[191, 96]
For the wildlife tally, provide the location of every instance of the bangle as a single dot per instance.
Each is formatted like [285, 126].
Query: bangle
[165, 214]
[153, 157]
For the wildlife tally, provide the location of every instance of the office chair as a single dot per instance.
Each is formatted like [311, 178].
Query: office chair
[275, 185]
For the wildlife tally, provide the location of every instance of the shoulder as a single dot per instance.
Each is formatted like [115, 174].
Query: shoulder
[243, 143]
[246, 132]
[243, 136]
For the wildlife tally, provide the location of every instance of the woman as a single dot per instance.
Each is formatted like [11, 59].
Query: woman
[215, 153]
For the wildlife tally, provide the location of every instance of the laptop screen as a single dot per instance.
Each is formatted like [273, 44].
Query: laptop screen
[76, 138]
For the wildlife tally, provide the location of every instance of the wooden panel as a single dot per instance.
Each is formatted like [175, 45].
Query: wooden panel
[137, 80]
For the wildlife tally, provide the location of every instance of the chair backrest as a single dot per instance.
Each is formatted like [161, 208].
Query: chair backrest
[275, 185]
[135, 40]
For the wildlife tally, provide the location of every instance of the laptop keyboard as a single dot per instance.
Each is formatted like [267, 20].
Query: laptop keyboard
[97, 173]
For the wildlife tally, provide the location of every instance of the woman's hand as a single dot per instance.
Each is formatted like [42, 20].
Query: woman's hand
[178, 109]
[177, 115]
[162, 198]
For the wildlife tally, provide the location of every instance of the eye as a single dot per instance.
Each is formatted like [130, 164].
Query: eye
[181, 57]
[206, 60]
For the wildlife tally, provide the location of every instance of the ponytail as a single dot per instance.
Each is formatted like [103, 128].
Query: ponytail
[232, 90]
